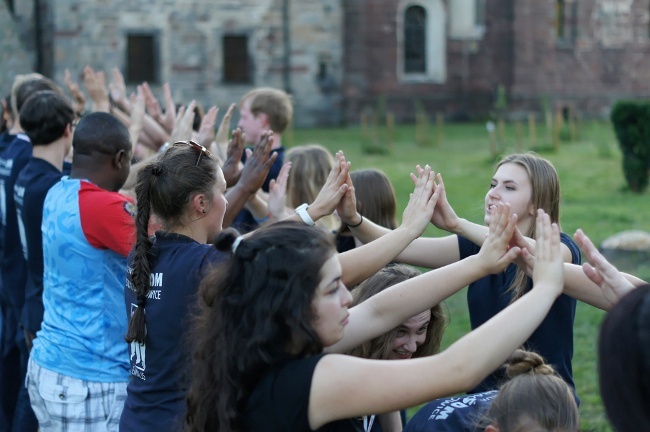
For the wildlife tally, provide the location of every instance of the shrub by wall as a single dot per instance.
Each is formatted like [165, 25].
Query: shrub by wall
[631, 120]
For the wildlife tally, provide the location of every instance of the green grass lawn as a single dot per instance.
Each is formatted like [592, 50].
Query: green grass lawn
[593, 198]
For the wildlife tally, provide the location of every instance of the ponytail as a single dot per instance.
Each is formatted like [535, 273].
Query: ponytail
[140, 273]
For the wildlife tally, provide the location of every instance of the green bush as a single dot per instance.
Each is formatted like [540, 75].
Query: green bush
[631, 120]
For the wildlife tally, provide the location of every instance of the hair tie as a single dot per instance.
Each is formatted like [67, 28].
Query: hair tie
[141, 300]
[156, 170]
[235, 244]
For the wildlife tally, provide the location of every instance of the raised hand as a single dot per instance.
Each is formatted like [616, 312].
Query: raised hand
[137, 117]
[549, 265]
[601, 272]
[333, 190]
[77, 94]
[278, 193]
[422, 202]
[232, 166]
[206, 130]
[97, 90]
[168, 119]
[221, 139]
[183, 124]
[346, 209]
[258, 164]
[444, 217]
[495, 253]
[117, 90]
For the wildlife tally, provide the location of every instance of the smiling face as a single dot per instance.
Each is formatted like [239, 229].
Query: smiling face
[511, 184]
[409, 336]
[330, 303]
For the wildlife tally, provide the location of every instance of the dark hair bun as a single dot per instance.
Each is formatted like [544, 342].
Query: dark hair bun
[225, 239]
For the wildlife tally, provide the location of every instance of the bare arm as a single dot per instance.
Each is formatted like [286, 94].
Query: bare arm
[391, 307]
[345, 387]
[424, 252]
[360, 263]
[598, 283]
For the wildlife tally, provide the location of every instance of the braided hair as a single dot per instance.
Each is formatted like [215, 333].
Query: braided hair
[164, 187]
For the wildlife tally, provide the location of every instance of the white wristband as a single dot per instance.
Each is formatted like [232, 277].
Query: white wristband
[301, 210]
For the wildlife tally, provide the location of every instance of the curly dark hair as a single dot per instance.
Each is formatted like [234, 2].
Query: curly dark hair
[255, 313]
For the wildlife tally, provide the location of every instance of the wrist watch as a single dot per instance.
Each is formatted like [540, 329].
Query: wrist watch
[301, 210]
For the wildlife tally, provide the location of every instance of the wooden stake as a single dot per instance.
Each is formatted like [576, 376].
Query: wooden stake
[390, 126]
[557, 129]
[532, 132]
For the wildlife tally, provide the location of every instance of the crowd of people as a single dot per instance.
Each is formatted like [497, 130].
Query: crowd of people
[158, 272]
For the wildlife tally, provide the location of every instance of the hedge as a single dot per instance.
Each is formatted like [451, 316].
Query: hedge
[631, 120]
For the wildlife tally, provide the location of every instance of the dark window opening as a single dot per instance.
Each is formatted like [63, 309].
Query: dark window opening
[479, 17]
[567, 20]
[141, 59]
[236, 67]
[415, 19]
[322, 70]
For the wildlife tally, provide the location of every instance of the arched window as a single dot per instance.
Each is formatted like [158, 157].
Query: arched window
[415, 32]
[421, 41]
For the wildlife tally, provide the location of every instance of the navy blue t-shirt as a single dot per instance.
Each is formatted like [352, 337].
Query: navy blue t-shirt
[553, 339]
[156, 392]
[32, 185]
[244, 221]
[13, 157]
[452, 414]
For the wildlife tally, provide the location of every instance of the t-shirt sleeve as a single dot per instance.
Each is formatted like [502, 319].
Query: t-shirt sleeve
[282, 397]
[576, 256]
[466, 248]
[107, 219]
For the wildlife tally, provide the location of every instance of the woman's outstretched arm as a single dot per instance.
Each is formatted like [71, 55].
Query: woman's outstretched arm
[345, 387]
[393, 306]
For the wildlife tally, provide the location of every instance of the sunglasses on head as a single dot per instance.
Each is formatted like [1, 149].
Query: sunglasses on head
[202, 150]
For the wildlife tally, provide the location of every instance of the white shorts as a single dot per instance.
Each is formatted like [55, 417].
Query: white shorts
[62, 403]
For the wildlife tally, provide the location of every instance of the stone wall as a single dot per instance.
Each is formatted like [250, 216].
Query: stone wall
[189, 34]
[17, 49]
[345, 54]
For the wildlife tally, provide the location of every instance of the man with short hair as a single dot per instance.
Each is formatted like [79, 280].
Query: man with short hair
[79, 364]
[47, 119]
[260, 110]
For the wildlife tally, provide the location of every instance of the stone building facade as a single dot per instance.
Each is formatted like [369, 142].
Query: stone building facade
[340, 57]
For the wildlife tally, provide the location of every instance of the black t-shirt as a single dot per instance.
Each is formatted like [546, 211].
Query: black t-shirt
[280, 402]
[553, 339]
